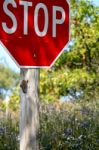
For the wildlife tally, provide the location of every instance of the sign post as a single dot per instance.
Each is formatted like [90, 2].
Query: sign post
[34, 33]
[29, 120]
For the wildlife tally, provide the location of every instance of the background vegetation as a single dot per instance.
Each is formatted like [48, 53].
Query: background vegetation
[74, 79]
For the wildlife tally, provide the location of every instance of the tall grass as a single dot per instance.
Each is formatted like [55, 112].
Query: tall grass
[68, 127]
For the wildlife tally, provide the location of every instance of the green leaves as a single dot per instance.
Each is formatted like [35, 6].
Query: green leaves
[8, 79]
[78, 67]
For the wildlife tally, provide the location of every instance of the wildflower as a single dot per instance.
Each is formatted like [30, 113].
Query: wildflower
[85, 111]
[2, 130]
[79, 139]
[85, 124]
[68, 132]
[18, 137]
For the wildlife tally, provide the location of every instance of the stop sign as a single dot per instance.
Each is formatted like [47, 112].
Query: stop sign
[34, 32]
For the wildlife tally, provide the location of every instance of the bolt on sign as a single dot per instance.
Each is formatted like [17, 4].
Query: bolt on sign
[34, 32]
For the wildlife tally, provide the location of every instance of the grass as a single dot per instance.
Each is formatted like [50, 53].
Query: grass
[68, 127]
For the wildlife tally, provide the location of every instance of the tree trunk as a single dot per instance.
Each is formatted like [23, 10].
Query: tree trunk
[29, 120]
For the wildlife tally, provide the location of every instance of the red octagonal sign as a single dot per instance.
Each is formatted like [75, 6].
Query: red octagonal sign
[34, 32]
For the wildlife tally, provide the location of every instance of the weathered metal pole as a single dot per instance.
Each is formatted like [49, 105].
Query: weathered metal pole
[29, 120]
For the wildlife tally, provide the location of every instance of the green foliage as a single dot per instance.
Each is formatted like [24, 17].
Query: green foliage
[8, 79]
[2, 106]
[71, 127]
[77, 70]
[14, 102]
[9, 134]
[67, 130]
